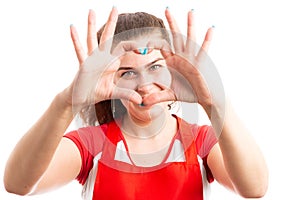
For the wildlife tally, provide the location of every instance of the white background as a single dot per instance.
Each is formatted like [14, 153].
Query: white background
[255, 48]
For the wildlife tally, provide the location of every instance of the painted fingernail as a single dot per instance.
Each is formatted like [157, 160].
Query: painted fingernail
[142, 104]
[143, 51]
[192, 10]
[167, 8]
[213, 26]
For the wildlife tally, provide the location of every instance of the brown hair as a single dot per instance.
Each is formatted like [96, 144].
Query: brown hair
[102, 111]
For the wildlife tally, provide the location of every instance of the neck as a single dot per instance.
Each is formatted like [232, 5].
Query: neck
[146, 130]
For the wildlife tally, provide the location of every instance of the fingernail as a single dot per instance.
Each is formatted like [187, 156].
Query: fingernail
[143, 51]
[114, 7]
[142, 104]
[71, 25]
[192, 10]
[213, 26]
[167, 8]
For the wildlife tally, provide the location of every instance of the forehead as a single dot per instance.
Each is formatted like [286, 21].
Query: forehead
[132, 59]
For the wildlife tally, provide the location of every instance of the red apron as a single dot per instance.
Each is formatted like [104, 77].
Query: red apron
[175, 180]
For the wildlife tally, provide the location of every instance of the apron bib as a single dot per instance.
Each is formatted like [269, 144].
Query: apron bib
[175, 180]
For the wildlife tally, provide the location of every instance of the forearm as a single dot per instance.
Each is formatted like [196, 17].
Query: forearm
[34, 151]
[242, 157]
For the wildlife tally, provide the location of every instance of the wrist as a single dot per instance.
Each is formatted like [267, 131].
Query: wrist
[214, 108]
[216, 114]
[65, 97]
[63, 103]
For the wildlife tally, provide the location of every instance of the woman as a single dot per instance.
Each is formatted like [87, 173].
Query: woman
[139, 150]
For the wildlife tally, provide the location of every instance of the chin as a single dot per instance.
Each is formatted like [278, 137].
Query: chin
[148, 114]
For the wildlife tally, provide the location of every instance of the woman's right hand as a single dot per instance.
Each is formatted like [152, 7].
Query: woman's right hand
[94, 81]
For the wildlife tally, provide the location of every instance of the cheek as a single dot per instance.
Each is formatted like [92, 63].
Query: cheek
[124, 83]
[125, 103]
[164, 78]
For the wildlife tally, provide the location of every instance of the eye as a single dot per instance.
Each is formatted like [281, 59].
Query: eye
[155, 67]
[128, 74]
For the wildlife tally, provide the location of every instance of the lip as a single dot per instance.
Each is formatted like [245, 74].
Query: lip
[144, 95]
[143, 106]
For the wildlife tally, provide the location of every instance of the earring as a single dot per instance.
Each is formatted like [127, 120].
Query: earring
[171, 104]
[113, 108]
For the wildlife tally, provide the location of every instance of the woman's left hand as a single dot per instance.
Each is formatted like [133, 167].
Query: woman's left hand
[195, 79]
[186, 64]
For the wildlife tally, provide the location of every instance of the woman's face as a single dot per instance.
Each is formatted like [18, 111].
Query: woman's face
[145, 74]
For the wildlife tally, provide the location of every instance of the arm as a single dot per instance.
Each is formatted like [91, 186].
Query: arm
[236, 161]
[34, 152]
[43, 159]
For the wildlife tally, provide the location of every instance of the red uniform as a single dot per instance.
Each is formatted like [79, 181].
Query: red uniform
[109, 173]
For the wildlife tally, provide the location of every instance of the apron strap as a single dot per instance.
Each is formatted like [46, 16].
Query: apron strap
[113, 136]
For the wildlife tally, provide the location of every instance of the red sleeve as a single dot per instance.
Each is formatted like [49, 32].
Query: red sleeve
[89, 141]
[205, 140]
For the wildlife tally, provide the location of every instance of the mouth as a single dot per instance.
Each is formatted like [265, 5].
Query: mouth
[143, 106]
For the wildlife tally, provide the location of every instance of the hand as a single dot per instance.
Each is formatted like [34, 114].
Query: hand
[94, 80]
[192, 71]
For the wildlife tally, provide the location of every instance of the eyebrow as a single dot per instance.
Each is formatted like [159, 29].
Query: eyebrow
[151, 63]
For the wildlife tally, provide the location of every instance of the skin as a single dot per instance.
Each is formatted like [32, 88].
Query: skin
[152, 122]
[137, 73]
[51, 161]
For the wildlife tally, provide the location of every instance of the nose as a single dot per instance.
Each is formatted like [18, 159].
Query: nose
[145, 84]
[146, 88]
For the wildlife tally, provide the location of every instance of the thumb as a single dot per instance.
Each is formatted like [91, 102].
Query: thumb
[161, 96]
[127, 94]
[161, 45]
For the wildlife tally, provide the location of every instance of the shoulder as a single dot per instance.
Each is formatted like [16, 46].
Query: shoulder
[89, 138]
[204, 136]
[89, 141]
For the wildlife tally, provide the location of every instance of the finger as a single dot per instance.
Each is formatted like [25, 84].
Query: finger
[191, 33]
[77, 45]
[92, 32]
[161, 96]
[177, 37]
[161, 45]
[124, 46]
[127, 94]
[206, 43]
[109, 30]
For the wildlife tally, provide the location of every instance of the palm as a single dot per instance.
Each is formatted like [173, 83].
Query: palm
[94, 80]
[188, 82]
[186, 65]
